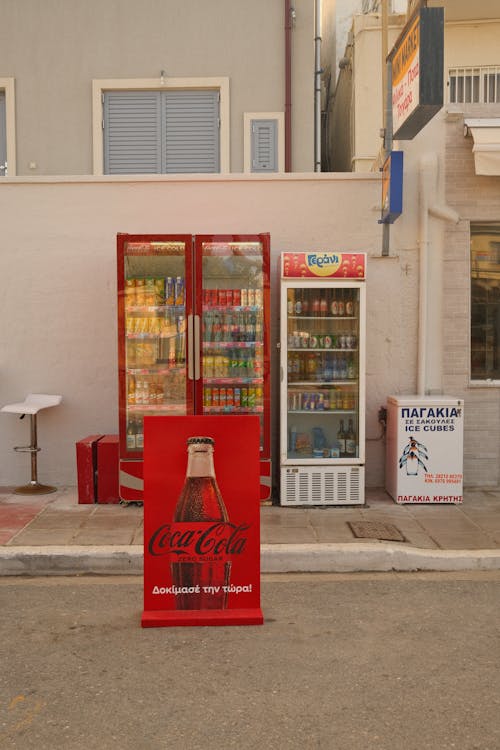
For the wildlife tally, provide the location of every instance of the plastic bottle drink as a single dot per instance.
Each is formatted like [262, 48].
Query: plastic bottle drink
[350, 441]
[201, 505]
[341, 439]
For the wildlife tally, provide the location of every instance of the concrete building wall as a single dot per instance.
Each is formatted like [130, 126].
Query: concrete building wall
[55, 49]
[58, 307]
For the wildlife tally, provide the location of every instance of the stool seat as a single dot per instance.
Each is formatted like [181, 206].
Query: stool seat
[31, 405]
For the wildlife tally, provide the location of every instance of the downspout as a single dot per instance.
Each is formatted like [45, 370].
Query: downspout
[317, 86]
[430, 285]
[289, 15]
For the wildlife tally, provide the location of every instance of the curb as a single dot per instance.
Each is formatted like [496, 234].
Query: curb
[275, 558]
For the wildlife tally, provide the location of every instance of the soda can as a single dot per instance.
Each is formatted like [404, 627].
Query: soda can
[237, 397]
[229, 297]
[222, 297]
[179, 290]
[244, 297]
[169, 291]
[229, 397]
[222, 397]
[259, 395]
[327, 342]
[208, 366]
[236, 296]
[251, 398]
[244, 398]
[251, 297]
[314, 341]
[207, 397]
[215, 396]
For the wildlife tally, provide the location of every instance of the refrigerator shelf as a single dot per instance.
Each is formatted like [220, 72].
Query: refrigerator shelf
[155, 308]
[157, 408]
[314, 412]
[321, 349]
[321, 383]
[232, 308]
[322, 317]
[148, 335]
[234, 381]
[233, 410]
[209, 345]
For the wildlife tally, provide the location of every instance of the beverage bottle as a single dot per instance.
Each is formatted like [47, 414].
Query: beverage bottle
[341, 439]
[350, 441]
[316, 304]
[323, 305]
[200, 501]
[298, 303]
[131, 430]
[334, 305]
[349, 305]
[139, 434]
[305, 302]
[290, 305]
[341, 304]
[131, 390]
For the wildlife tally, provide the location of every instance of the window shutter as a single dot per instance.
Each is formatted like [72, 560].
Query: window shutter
[132, 132]
[191, 141]
[264, 140]
[3, 136]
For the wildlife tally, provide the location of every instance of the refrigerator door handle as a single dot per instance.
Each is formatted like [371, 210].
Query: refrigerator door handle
[196, 342]
[190, 346]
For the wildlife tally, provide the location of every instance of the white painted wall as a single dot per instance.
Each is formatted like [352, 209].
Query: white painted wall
[58, 304]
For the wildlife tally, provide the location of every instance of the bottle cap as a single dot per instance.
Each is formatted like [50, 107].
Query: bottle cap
[206, 440]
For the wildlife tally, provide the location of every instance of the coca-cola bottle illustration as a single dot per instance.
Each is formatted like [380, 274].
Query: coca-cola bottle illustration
[202, 583]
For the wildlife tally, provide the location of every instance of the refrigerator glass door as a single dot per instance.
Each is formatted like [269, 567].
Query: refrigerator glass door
[322, 372]
[233, 357]
[155, 312]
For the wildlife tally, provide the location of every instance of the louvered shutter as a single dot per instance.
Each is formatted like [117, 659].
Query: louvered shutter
[3, 136]
[264, 141]
[132, 132]
[191, 138]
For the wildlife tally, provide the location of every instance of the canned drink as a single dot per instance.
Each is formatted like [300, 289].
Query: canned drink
[244, 297]
[207, 397]
[251, 297]
[258, 297]
[169, 291]
[314, 341]
[229, 397]
[229, 297]
[327, 342]
[208, 366]
[305, 340]
[222, 297]
[259, 395]
[215, 396]
[236, 296]
[251, 398]
[222, 397]
[237, 396]
[179, 290]
[244, 398]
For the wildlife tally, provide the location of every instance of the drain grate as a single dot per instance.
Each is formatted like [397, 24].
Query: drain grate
[372, 530]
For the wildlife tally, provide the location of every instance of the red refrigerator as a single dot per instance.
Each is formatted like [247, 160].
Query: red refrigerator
[193, 337]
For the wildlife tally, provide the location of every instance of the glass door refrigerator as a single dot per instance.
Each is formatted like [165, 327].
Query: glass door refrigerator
[193, 337]
[322, 390]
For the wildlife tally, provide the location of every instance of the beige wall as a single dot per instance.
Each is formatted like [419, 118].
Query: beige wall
[59, 299]
[54, 49]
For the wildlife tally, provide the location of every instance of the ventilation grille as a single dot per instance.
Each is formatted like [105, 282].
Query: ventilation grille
[306, 485]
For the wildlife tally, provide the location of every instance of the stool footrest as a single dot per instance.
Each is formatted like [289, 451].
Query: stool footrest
[27, 449]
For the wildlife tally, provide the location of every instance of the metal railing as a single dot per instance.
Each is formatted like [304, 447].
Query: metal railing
[478, 85]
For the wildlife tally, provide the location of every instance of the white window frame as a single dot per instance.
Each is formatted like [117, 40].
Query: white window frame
[248, 118]
[99, 86]
[8, 86]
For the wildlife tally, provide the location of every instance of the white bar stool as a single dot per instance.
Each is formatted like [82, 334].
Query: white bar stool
[32, 405]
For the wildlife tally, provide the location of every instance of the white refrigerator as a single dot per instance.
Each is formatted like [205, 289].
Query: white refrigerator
[322, 374]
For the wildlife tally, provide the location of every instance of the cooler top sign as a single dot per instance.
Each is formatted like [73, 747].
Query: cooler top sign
[319, 264]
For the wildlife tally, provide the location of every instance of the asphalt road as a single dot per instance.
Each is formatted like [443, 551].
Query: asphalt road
[375, 662]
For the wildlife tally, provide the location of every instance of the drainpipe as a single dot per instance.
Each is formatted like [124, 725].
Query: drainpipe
[430, 273]
[317, 86]
[289, 16]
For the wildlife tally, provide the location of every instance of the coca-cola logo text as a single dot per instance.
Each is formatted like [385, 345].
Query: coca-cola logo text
[198, 541]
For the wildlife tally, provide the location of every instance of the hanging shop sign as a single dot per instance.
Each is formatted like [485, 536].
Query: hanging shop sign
[392, 188]
[417, 73]
[323, 264]
[201, 521]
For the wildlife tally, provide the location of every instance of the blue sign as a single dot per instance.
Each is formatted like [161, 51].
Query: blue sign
[392, 188]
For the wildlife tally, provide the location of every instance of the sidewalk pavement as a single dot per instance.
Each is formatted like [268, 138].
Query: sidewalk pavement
[52, 534]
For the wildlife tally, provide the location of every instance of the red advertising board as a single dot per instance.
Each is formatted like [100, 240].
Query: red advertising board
[323, 264]
[201, 521]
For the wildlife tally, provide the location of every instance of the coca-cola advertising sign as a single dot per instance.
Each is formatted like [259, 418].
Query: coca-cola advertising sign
[201, 521]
